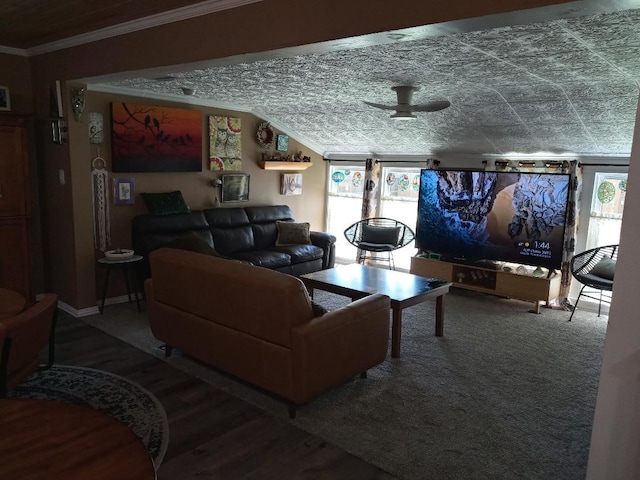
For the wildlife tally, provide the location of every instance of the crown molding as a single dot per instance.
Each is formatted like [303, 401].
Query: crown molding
[191, 100]
[171, 16]
[13, 51]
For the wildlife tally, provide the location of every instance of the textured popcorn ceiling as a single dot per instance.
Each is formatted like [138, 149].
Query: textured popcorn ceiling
[566, 86]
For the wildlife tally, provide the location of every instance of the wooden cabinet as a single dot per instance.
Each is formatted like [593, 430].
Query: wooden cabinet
[496, 282]
[16, 268]
[14, 166]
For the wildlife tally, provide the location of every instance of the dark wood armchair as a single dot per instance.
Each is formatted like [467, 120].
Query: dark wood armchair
[22, 337]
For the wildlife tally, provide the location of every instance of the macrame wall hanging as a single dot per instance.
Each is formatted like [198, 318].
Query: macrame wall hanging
[100, 195]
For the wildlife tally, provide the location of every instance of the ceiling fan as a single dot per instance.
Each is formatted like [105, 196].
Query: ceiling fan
[404, 109]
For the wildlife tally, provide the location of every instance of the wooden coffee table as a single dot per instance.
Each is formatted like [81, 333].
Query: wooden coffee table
[45, 439]
[404, 290]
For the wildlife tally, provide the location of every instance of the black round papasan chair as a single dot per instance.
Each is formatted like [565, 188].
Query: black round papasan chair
[595, 268]
[377, 237]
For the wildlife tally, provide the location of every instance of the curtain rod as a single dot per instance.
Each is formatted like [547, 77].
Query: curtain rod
[603, 164]
[337, 160]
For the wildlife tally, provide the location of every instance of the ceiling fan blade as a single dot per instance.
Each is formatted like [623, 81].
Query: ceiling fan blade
[431, 106]
[384, 107]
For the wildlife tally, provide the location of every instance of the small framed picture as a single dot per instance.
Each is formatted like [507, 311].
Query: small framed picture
[282, 143]
[291, 184]
[5, 99]
[235, 187]
[124, 191]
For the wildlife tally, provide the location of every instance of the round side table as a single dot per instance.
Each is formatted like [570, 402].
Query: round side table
[124, 263]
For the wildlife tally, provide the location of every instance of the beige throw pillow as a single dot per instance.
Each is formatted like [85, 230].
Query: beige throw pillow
[290, 233]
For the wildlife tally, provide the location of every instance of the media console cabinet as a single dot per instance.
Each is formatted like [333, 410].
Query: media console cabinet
[487, 280]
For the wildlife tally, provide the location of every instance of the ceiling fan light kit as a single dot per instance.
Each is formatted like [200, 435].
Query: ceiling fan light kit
[403, 116]
[404, 109]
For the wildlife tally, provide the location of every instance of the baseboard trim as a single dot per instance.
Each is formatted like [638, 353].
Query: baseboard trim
[85, 312]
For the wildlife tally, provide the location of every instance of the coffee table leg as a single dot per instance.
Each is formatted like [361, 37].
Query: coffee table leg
[396, 330]
[440, 316]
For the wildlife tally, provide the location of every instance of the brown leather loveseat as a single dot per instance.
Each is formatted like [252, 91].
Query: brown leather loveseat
[259, 325]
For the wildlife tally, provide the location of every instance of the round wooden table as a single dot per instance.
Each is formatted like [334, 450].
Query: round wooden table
[46, 440]
[11, 303]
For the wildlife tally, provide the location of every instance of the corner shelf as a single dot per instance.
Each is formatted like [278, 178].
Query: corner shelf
[284, 166]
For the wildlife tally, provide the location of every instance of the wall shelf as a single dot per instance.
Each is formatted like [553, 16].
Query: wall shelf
[284, 166]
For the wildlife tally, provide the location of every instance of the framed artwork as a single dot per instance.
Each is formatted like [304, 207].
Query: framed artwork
[155, 139]
[5, 98]
[291, 184]
[225, 145]
[235, 187]
[96, 127]
[282, 143]
[123, 191]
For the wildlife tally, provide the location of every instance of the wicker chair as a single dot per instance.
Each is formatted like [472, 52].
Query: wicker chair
[595, 268]
[376, 238]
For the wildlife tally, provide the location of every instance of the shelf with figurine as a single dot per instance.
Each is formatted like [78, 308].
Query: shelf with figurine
[284, 162]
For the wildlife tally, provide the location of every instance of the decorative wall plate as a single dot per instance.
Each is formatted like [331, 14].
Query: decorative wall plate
[265, 135]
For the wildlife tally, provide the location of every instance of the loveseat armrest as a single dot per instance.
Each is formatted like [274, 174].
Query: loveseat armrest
[335, 347]
[327, 242]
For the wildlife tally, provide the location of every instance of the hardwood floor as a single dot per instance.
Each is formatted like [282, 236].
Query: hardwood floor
[212, 434]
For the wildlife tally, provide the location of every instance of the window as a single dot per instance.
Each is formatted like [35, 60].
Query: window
[607, 204]
[344, 205]
[398, 199]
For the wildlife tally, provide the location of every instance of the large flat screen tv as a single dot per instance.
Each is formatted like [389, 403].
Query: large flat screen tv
[469, 216]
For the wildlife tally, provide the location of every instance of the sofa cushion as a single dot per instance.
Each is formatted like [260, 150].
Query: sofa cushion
[605, 268]
[264, 258]
[292, 233]
[263, 222]
[300, 253]
[165, 203]
[372, 234]
[193, 242]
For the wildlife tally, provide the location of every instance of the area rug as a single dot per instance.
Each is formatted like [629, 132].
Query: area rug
[505, 393]
[108, 393]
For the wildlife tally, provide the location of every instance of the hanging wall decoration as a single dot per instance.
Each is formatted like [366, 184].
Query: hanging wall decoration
[96, 127]
[265, 135]
[100, 196]
[155, 139]
[282, 143]
[225, 146]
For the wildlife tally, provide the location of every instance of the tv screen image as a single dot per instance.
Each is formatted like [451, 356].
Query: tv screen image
[514, 217]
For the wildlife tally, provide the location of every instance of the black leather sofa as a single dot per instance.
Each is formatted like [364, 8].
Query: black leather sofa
[241, 233]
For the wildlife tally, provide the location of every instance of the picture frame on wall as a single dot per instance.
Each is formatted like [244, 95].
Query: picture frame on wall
[5, 99]
[282, 143]
[291, 184]
[235, 187]
[124, 191]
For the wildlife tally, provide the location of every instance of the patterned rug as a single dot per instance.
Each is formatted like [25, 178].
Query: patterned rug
[108, 393]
